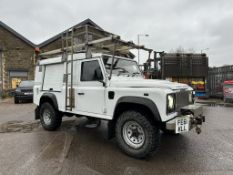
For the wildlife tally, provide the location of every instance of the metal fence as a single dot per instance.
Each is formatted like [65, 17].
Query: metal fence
[216, 77]
[184, 65]
[191, 69]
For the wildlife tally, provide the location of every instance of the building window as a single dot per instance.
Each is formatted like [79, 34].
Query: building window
[15, 82]
[16, 77]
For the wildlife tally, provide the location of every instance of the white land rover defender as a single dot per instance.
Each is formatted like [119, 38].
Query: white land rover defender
[110, 87]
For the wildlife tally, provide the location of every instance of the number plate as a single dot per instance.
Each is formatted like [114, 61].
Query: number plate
[182, 124]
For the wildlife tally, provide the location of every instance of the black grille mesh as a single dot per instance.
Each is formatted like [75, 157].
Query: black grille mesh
[182, 99]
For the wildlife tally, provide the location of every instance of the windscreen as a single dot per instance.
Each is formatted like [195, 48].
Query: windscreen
[26, 83]
[121, 66]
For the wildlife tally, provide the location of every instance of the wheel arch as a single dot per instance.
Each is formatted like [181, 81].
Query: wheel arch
[47, 97]
[137, 103]
[51, 98]
[129, 102]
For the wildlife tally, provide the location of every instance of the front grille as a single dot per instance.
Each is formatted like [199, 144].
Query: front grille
[182, 99]
[26, 90]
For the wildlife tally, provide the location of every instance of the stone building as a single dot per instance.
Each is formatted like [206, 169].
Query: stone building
[16, 58]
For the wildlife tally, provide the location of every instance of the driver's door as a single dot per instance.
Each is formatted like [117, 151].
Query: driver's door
[90, 94]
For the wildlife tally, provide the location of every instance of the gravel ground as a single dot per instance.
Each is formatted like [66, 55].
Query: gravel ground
[25, 148]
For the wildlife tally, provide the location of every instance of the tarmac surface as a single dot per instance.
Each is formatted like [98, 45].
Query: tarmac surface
[25, 148]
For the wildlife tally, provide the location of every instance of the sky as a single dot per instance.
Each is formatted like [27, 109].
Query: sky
[194, 25]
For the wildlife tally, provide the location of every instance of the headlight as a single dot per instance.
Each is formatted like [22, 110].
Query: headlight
[170, 103]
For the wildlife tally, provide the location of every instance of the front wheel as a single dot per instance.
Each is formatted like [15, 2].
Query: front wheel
[50, 118]
[136, 135]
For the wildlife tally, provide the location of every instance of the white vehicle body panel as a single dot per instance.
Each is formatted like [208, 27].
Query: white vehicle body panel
[53, 77]
[91, 98]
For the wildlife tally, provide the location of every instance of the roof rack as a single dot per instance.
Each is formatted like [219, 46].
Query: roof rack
[105, 45]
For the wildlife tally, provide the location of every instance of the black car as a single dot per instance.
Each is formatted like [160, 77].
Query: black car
[24, 91]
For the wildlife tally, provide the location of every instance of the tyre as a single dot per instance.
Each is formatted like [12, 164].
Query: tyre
[16, 100]
[136, 135]
[50, 118]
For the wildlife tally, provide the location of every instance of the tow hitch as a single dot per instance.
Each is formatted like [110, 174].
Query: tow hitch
[197, 122]
[197, 118]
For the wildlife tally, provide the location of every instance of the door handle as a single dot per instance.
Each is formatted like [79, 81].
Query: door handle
[80, 93]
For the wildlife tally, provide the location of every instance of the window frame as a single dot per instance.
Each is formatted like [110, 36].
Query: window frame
[120, 57]
[101, 68]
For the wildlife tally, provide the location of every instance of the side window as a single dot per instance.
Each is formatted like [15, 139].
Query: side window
[91, 71]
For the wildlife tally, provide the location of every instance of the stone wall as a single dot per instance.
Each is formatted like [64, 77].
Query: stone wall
[17, 55]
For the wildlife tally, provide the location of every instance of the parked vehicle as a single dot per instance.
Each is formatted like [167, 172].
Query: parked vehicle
[24, 91]
[110, 87]
[228, 91]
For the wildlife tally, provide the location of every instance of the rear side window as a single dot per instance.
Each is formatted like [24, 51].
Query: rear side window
[91, 71]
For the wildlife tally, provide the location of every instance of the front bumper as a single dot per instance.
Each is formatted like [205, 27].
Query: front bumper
[24, 96]
[191, 116]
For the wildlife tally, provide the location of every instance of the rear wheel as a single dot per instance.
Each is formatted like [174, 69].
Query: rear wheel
[136, 135]
[50, 118]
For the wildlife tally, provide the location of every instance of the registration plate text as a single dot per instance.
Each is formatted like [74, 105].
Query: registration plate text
[182, 124]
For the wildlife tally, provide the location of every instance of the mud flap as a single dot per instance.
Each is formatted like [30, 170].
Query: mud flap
[37, 113]
[111, 130]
